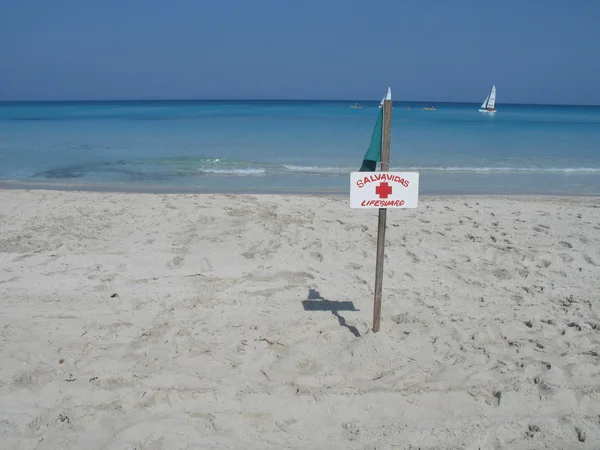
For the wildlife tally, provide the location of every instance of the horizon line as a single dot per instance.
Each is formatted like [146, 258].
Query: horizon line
[280, 100]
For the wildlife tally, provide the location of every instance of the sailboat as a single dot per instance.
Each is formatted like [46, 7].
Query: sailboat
[356, 105]
[490, 101]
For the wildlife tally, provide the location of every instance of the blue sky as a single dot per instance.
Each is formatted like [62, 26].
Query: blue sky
[535, 51]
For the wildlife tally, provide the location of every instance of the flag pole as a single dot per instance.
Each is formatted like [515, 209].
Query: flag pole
[385, 167]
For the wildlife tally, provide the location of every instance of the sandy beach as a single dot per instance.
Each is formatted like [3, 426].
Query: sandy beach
[140, 321]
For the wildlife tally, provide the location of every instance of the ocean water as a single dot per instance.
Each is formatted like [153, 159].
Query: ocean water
[295, 146]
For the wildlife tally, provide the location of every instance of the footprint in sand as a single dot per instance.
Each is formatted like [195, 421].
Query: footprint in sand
[501, 274]
[307, 367]
[414, 257]
[565, 258]
[317, 255]
[176, 262]
[360, 280]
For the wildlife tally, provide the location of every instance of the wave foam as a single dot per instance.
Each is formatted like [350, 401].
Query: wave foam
[316, 169]
[345, 170]
[508, 169]
[240, 172]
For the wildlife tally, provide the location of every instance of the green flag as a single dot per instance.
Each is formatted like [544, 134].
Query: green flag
[373, 155]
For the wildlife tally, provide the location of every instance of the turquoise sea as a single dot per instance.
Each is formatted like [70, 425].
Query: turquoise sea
[295, 146]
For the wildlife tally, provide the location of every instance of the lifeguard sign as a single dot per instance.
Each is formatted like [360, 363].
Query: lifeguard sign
[384, 189]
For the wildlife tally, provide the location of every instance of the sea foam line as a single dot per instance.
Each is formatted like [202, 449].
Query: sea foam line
[234, 171]
[507, 169]
[317, 169]
[341, 170]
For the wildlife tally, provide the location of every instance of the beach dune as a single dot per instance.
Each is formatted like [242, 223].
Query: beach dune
[145, 321]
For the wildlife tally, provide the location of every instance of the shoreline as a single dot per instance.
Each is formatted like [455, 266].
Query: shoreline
[168, 190]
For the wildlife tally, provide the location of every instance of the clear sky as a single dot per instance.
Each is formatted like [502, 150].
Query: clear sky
[535, 51]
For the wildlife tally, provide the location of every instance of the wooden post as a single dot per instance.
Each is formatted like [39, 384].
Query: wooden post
[385, 167]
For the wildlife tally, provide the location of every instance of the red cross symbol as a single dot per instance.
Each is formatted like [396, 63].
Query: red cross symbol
[383, 190]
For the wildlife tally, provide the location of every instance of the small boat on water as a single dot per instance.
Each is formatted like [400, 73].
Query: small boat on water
[490, 101]
[431, 108]
[356, 105]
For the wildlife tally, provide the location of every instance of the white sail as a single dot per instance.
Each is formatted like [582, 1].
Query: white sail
[484, 104]
[492, 99]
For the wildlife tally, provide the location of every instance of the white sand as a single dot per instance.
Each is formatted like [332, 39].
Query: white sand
[490, 332]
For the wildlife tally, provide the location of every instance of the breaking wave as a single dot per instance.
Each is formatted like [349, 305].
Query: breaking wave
[316, 169]
[505, 169]
[240, 172]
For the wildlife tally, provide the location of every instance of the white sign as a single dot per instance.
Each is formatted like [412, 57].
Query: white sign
[384, 189]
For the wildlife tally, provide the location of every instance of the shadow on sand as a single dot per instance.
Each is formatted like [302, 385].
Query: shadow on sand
[315, 302]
